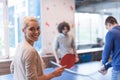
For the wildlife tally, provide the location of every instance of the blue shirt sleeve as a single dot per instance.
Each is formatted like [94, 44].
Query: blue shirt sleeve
[108, 65]
[108, 47]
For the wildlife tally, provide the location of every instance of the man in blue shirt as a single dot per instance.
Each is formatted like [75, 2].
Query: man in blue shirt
[112, 47]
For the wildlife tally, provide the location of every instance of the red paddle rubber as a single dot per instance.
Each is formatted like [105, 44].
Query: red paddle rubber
[68, 60]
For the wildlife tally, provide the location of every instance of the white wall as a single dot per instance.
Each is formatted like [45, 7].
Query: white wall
[52, 13]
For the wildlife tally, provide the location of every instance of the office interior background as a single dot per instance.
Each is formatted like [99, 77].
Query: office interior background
[87, 22]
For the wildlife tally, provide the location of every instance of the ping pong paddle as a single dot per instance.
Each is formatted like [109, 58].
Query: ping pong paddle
[68, 60]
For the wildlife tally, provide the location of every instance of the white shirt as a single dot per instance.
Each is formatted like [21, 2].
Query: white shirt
[27, 64]
[64, 44]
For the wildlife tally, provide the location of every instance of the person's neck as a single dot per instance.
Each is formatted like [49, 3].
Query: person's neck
[115, 25]
[65, 34]
[30, 42]
[112, 26]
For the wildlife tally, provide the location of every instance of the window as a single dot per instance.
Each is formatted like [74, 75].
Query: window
[89, 26]
[89, 22]
[10, 25]
[4, 48]
[17, 11]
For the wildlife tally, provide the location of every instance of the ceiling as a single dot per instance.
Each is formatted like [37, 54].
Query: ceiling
[96, 5]
[82, 3]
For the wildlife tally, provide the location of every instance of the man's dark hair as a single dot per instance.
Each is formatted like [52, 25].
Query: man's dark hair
[111, 20]
[62, 25]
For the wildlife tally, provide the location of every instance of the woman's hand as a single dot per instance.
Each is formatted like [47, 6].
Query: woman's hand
[58, 71]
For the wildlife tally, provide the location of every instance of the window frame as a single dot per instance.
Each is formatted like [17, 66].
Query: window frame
[6, 29]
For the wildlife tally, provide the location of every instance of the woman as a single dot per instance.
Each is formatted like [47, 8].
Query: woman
[27, 64]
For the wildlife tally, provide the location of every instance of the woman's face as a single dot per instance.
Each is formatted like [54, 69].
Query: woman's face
[32, 31]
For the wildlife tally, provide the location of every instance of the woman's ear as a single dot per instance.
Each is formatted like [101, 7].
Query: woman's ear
[23, 30]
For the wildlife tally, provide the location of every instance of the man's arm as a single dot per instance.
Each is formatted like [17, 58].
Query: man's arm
[107, 48]
[106, 53]
[55, 49]
[74, 49]
[76, 55]
[56, 57]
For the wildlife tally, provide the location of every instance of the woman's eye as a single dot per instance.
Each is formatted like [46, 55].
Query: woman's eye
[38, 28]
[31, 29]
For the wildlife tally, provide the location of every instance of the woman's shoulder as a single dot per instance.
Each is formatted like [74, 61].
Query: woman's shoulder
[29, 52]
[59, 36]
[26, 47]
